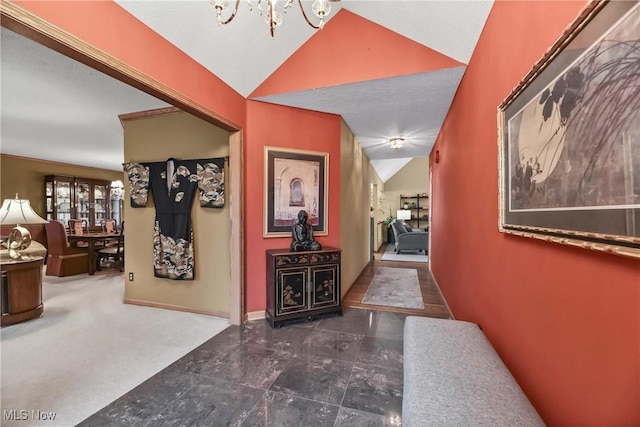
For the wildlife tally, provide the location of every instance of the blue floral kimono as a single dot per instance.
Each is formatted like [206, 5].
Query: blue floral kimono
[174, 184]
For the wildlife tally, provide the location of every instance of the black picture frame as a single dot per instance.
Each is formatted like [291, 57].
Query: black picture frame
[294, 180]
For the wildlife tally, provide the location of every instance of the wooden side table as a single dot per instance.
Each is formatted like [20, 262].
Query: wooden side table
[21, 290]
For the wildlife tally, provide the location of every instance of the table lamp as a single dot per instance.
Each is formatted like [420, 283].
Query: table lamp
[18, 211]
[403, 214]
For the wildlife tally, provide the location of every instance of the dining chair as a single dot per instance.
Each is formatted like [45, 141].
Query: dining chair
[62, 258]
[79, 227]
[113, 253]
[109, 226]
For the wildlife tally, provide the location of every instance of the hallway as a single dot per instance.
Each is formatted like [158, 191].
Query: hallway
[434, 304]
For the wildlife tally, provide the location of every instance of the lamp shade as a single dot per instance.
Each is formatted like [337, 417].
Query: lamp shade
[19, 211]
[404, 214]
[16, 212]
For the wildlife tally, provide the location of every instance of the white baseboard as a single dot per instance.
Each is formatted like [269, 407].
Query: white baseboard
[255, 315]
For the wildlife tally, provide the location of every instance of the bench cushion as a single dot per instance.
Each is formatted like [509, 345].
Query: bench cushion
[454, 377]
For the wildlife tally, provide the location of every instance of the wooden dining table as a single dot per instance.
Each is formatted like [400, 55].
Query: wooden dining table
[91, 239]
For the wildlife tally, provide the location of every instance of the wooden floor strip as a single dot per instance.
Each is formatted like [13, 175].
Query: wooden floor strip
[434, 305]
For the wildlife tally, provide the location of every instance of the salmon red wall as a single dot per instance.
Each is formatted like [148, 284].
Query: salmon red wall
[107, 26]
[334, 56]
[286, 127]
[565, 320]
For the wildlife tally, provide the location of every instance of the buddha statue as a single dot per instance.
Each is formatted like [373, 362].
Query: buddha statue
[302, 235]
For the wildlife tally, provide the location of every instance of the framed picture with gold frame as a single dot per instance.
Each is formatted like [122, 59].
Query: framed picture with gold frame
[295, 180]
[569, 137]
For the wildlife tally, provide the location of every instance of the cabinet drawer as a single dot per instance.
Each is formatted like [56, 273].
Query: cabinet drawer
[292, 260]
[325, 257]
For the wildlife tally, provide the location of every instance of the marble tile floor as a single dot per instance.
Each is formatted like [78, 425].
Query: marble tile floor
[337, 371]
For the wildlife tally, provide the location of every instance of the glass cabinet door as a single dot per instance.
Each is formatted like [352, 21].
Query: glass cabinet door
[64, 201]
[99, 204]
[83, 193]
[116, 208]
[48, 200]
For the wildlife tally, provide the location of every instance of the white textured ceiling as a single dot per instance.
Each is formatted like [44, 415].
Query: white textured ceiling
[243, 55]
[413, 107]
[57, 109]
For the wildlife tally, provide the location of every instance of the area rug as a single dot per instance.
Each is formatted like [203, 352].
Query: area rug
[409, 256]
[395, 287]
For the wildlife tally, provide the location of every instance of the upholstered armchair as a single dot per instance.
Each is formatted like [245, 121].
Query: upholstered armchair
[62, 258]
[407, 239]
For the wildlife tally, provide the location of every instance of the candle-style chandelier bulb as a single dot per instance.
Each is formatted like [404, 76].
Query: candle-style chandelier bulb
[273, 18]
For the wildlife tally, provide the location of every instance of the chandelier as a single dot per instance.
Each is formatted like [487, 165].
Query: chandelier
[320, 8]
[396, 142]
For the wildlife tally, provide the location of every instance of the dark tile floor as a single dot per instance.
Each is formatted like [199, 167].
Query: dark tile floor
[338, 371]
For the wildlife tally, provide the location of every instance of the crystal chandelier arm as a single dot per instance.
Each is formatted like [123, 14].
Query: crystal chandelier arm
[230, 18]
[272, 10]
[317, 27]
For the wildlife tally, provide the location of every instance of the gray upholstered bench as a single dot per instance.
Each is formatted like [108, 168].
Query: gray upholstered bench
[454, 377]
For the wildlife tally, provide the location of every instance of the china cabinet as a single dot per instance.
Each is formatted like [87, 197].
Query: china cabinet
[69, 197]
[302, 285]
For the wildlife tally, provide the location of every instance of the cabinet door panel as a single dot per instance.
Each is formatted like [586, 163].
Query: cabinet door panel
[48, 200]
[99, 204]
[324, 292]
[83, 195]
[292, 291]
[64, 202]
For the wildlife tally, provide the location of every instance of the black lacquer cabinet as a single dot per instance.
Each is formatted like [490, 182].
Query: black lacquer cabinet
[302, 285]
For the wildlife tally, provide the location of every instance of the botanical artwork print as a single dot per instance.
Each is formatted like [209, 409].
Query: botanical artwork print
[174, 185]
[576, 146]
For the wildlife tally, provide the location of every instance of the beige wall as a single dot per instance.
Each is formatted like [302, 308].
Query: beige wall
[412, 179]
[26, 177]
[354, 202]
[376, 186]
[180, 136]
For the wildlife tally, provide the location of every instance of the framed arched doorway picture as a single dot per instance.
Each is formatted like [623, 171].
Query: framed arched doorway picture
[295, 180]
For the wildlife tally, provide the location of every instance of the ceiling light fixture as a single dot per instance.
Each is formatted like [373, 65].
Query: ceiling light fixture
[320, 8]
[396, 142]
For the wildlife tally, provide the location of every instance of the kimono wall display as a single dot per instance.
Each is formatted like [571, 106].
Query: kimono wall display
[174, 184]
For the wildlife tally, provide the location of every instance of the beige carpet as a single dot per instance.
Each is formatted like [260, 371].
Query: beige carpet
[89, 348]
[395, 287]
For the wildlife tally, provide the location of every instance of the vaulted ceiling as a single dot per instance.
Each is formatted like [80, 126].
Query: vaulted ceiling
[389, 68]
